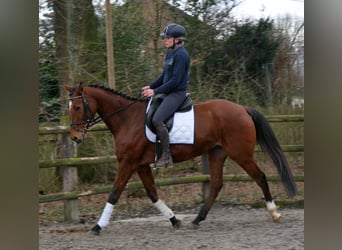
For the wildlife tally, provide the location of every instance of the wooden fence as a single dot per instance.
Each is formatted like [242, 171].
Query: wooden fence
[70, 164]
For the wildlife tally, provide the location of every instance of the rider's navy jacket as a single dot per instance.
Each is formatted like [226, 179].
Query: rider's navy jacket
[175, 75]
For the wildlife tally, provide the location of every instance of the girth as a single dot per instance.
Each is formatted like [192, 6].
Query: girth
[156, 101]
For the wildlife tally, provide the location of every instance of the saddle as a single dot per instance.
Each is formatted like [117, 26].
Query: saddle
[154, 104]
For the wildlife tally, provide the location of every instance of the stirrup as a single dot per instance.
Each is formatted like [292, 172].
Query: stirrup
[162, 163]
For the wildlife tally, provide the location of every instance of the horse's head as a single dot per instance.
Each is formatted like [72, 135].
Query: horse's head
[81, 112]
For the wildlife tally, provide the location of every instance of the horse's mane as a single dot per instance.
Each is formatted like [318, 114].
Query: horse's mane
[117, 92]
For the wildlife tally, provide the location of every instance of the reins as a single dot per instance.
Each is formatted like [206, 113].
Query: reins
[99, 119]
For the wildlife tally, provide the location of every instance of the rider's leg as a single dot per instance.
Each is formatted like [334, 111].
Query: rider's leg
[169, 105]
[163, 135]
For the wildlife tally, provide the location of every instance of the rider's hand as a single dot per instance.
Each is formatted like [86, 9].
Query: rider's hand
[143, 89]
[147, 92]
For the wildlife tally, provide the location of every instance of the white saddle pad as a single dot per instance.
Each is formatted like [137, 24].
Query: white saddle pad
[182, 131]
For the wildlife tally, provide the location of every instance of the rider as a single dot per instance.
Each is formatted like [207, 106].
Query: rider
[172, 82]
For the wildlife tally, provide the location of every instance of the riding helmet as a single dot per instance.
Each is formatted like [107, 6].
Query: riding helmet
[173, 30]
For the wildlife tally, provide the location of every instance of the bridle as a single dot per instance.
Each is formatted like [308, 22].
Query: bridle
[89, 116]
[88, 120]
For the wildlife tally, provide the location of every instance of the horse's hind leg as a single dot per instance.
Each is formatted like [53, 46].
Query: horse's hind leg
[217, 157]
[145, 174]
[252, 169]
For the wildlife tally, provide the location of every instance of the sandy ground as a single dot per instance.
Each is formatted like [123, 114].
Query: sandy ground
[226, 227]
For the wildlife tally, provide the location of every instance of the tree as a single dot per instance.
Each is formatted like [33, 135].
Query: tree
[110, 45]
[243, 56]
[288, 80]
[78, 51]
[48, 83]
[230, 58]
[49, 107]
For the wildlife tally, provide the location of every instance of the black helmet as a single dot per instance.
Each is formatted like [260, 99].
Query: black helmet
[173, 30]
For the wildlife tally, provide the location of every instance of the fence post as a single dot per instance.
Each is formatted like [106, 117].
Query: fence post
[71, 212]
[205, 170]
[70, 177]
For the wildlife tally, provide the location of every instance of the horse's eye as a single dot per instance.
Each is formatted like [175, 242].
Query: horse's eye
[77, 108]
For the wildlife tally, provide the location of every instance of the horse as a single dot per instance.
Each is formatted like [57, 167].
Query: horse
[222, 129]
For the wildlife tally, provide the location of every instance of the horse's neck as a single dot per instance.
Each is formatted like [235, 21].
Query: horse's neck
[110, 103]
[118, 111]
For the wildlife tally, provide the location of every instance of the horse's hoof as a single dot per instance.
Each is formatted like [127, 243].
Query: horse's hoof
[277, 219]
[195, 226]
[177, 224]
[96, 230]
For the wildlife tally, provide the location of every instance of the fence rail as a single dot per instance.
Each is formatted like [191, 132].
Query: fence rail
[61, 129]
[82, 161]
[159, 183]
[72, 163]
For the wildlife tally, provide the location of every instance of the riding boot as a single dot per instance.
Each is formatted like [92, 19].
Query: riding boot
[163, 135]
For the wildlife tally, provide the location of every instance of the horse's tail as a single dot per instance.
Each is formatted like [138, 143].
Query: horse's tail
[269, 144]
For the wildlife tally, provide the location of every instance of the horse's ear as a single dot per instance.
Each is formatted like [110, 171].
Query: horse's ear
[67, 88]
[80, 86]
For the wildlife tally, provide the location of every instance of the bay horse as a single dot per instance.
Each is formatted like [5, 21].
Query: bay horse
[222, 129]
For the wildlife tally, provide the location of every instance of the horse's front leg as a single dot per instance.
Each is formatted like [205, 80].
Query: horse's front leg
[123, 175]
[146, 176]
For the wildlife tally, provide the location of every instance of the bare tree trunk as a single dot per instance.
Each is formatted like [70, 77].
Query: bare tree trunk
[60, 29]
[110, 46]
